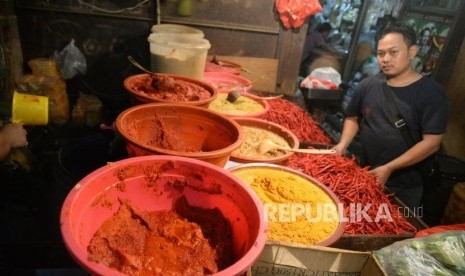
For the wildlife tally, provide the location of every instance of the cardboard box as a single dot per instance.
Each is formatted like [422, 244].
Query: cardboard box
[351, 255]
[280, 260]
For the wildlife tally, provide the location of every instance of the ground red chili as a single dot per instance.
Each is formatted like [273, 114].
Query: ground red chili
[185, 241]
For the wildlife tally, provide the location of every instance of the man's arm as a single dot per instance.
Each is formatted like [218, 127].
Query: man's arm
[330, 49]
[349, 130]
[420, 151]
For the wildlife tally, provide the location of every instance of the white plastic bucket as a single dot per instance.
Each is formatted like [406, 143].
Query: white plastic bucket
[179, 55]
[177, 29]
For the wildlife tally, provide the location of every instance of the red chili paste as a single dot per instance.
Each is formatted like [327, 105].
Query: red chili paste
[168, 88]
[187, 241]
[157, 132]
[165, 137]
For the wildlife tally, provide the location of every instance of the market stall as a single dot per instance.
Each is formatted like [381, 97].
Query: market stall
[206, 127]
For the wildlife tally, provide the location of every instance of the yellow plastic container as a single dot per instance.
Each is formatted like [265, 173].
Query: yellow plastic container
[29, 109]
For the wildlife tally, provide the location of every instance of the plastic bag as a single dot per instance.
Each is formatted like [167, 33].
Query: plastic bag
[293, 13]
[438, 254]
[370, 67]
[70, 61]
[46, 80]
[87, 110]
[322, 78]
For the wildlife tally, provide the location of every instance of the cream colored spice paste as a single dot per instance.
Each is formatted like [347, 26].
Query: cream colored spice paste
[252, 138]
[242, 106]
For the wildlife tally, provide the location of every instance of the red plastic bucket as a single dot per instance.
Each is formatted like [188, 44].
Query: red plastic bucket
[135, 87]
[180, 130]
[95, 198]
[225, 82]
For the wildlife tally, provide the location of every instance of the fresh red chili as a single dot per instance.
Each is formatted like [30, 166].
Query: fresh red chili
[296, 119]
[353, 185]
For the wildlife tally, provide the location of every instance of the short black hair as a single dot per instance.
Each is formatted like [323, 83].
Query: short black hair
[324, 27]
[409, 34]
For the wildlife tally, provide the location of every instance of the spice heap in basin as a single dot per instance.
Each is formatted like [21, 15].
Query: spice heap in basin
[300, 210]
[163, 215]
[168, 88]
[180, 130]
[246, 105]
[255, 131]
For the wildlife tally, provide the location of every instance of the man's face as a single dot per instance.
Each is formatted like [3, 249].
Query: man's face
[394, 55]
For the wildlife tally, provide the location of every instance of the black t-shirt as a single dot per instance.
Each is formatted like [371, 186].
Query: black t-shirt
[423, 104]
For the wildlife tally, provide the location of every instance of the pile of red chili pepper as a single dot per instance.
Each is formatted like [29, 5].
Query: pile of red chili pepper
[367, 209]
[297, 120]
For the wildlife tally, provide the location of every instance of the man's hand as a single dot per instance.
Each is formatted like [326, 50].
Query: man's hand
[382, 174]
[11, 136]
[417, 153]
[15, 135]
[339, 148]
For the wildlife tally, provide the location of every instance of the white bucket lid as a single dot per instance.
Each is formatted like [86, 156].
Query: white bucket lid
[177, 29]
[176, 41]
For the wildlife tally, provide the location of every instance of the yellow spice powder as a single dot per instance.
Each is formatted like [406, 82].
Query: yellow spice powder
[298, 211]
[242, 106]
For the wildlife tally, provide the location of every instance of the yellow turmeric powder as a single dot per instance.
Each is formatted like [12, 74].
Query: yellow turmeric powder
[298, 211]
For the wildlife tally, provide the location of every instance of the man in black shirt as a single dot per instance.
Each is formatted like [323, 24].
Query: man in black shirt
[419, 100]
